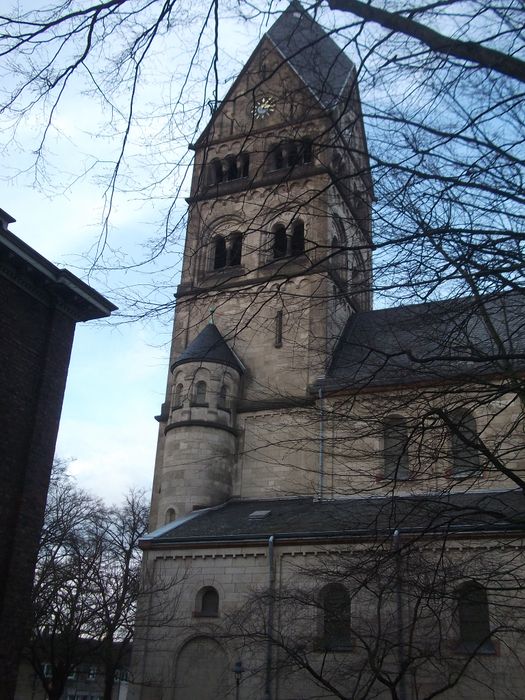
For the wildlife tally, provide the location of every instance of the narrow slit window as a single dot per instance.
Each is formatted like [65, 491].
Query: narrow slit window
[279, 329]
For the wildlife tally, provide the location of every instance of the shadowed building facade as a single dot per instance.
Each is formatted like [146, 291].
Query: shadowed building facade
[40, 306]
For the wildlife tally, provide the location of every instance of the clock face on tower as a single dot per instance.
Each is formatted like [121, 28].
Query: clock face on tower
[263, 107]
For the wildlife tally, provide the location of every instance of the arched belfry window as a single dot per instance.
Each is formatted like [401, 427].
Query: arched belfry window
[289, 154]
[244, 161]
[464, 440]
[395, 453]
[219, 253]
[473, 618]
[293, 153]
[226, 252]
[306, 151]
[215, 172]
[207, 602]
[232, 171]
[335, 610]
[277, 159]
[235, 249]
[280, 241]
[200, 393]
[297, 242]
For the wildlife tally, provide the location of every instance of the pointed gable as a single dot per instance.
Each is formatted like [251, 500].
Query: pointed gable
[209, 346]
[304, 58]
[316, 58]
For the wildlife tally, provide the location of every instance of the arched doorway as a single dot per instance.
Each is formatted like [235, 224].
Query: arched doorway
[202, 671]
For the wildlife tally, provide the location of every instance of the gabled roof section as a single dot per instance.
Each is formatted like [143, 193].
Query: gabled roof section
[431, 342]
[210, 346]
[320, 63]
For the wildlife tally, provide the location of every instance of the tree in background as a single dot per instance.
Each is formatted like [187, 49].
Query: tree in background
[86, 583]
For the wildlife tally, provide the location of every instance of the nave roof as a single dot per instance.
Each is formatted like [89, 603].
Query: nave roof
[430, 342]
[373, 517]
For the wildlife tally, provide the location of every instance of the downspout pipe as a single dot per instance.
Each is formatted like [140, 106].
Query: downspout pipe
[321, 445]
[269, 637]
[400, 617]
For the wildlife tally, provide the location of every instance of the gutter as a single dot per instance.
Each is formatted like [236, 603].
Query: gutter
[318, 537]
[271, 591]
[100, 306]
[321, 444]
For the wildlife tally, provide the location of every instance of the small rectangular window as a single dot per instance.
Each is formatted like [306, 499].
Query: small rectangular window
[279, 329]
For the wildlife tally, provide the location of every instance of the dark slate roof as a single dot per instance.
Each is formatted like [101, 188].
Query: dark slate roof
[209, 346]
[430, 342]
[319, 62]
[305, 518]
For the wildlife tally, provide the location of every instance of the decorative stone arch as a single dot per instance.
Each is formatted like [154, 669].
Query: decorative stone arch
[285, 238]
[222, 244]
[191, 683]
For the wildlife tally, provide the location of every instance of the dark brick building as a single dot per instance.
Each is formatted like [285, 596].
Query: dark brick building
[39, 307]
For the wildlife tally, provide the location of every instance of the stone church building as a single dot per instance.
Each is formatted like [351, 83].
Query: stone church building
[337, 505]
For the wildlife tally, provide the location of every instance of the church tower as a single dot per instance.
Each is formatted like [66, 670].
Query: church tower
[277, 258]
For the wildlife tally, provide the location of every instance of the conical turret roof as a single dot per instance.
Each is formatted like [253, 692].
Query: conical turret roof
[210, 346]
